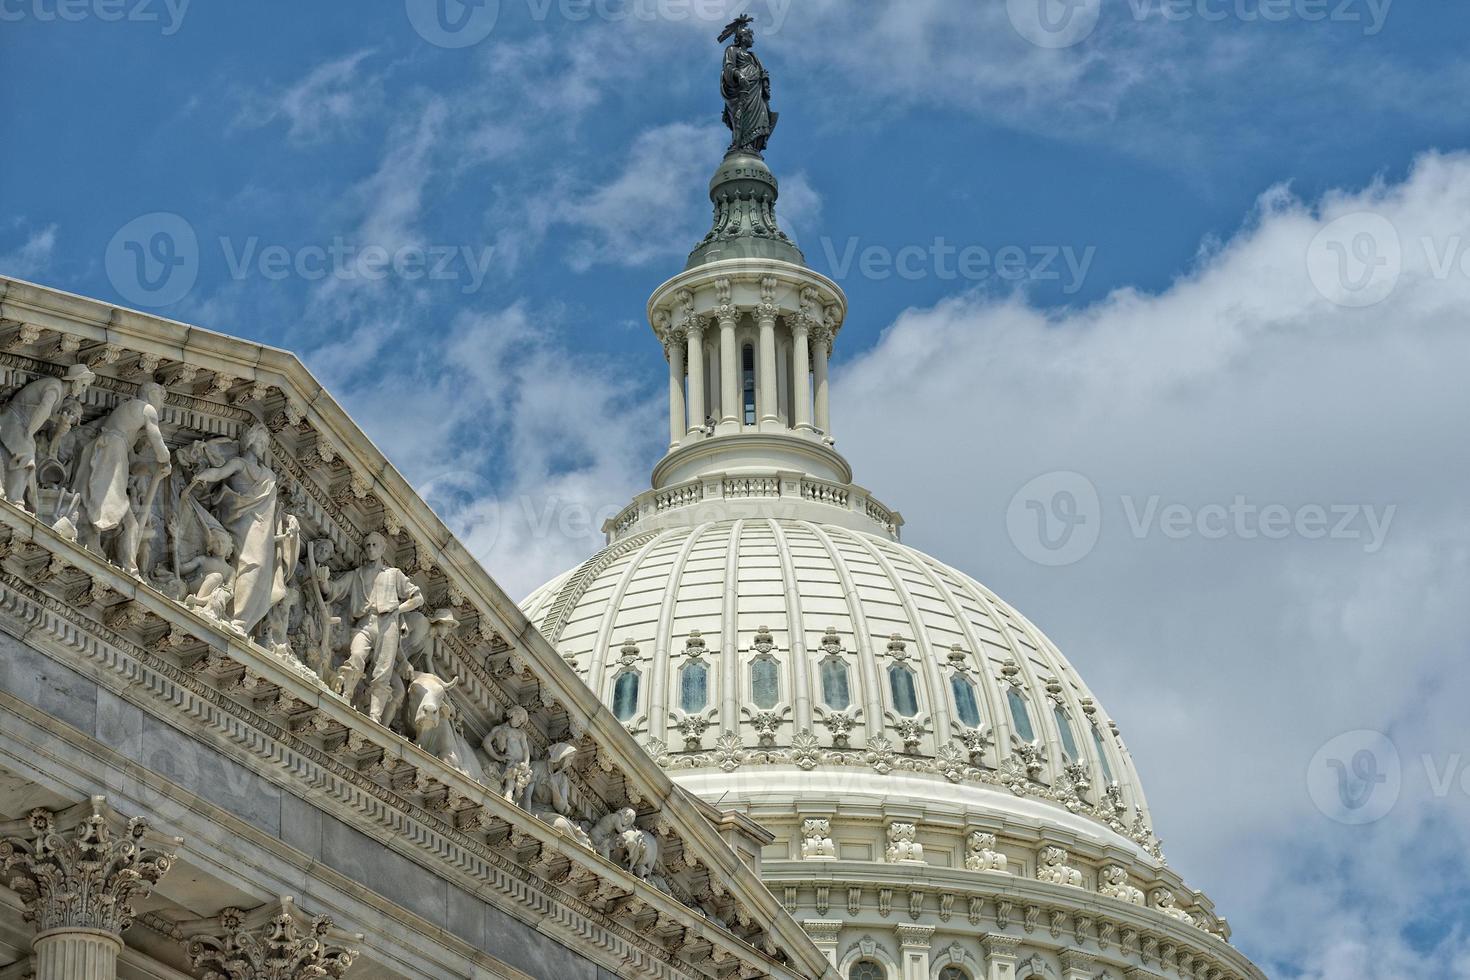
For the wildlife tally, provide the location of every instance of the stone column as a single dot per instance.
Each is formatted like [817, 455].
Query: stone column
[79, 885]
[914, 943]
[1000, 956]
[675, 349]
[730, 407]
[823, 933]
[801, 371]
[696, 374]
[765, 379]
[274, 942]
[821, 347]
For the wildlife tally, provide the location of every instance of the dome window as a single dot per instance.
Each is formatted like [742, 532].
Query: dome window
[765, 682]
[1020, 715]
[693, 687]
[834, 684]
[1102, 754]
[905, 697]
[1064, 727]
[625, 696]
[965, 704]
[866, 970]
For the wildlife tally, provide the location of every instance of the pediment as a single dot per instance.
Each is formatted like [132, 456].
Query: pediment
[662, 867]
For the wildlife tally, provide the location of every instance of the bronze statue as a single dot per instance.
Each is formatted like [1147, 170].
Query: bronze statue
[746, 87]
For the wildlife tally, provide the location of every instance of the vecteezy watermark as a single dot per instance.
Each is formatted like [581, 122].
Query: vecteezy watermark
[946, 261]
[1056, 519]
[168, 14]
[347, 261]
[1064, 23]
[1054, 23]
[154, 260]
[1356, 260]
[1359, 259]
[1356, 778]
[1371, 14]
[464, 23]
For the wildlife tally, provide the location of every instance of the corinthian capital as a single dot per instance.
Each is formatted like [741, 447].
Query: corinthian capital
[275, 942]
[87, 873]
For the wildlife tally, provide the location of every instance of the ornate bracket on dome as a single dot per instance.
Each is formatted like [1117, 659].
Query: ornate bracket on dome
[1052, 866]
[981, 853]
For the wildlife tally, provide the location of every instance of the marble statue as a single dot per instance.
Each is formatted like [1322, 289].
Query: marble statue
[104, 468]
[21, 421]
[244, 501]
[746, 87]
[606, 833]
[548, 796]
[214, 594]
[285, 591]
[442, 625]
[431, 716]
[510, 747]
[319, 623]
[377, 596]
[56, 445]
[639, 849]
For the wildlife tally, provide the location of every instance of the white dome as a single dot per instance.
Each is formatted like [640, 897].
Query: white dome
[896, 729]
[774, 612]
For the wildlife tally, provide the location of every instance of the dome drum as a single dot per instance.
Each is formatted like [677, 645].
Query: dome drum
[751, 492]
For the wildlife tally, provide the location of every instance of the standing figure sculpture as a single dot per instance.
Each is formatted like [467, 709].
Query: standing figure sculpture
[106, 466]
[246, 504]
[746, 87]
[378, 597]
[20, 422]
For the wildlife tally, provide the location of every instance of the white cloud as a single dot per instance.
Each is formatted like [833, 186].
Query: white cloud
[522, 446]
[32, 257]
[651, 209]
[330, 98]
[1229, 662]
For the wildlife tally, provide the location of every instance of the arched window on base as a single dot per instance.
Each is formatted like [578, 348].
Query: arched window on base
[905, 695]
[965, 704]
[693, 687]
[1064, 728]
[1020, 716]
[625, 696]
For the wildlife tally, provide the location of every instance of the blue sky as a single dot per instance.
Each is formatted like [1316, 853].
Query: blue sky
[1189, 158]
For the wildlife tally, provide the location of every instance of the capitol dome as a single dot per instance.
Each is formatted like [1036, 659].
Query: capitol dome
[945, 799]
[778, 641]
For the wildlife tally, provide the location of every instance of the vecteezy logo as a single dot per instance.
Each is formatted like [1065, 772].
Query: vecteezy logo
[1356, 260]
[1355, 778]
[1054, 23]
[153, 260]
[1055, 519]
[453, 23]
